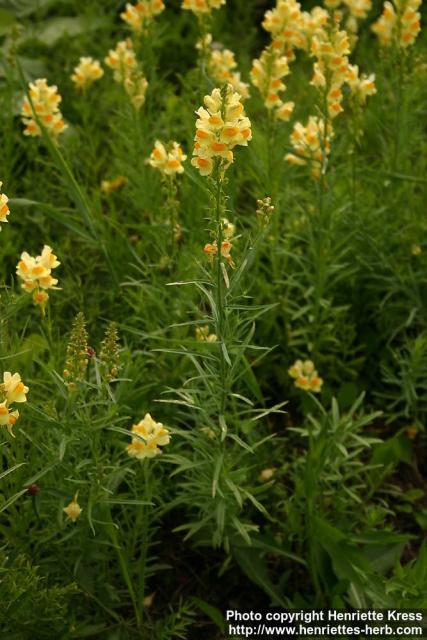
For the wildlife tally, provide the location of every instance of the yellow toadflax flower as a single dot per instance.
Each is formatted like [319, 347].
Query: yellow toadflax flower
[361, 86]
[108, 186]
[4, 209]
[286, 24]
[310, 144]
[220, 127]
[167, 161]
[87, 72]
[200, 7]
[73, 510]
[11, 390]
[42, 106]
[221, 66]
[126, 71]
[36, 274]
[306, 376]
[140, 15]
[152, 436]
[399, 23]
[267, 73]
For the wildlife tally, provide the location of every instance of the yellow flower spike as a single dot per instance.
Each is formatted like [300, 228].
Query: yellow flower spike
[306, 376]
[140, 15]
[86, 73]
[36, 274]
[73, 510]
[399, 23]
[307, 142]
[221, 126]
[200, 7]
[266, 75]
[152, 436]
[168, 162]
[44, 108]
[286, 25]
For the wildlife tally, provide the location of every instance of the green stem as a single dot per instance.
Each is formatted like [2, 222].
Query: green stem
[220, 300]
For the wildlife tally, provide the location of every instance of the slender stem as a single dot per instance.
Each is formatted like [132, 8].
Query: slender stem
[220, 300]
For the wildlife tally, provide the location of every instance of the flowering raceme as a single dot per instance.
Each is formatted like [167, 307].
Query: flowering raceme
[267, 73]
[221, 65]
[151, 435]
[126, 71]
[42, 106]
[399, 23]
[36, 274]
[12, 390]
[140, 15]
[285, 23]
[310, 144]
[306, 376]
[167, 161]
[4, 208]
[220, 127]
[86, 73]
[200, 7]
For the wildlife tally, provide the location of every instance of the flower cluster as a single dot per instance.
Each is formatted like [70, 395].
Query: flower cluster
[310, 144]
[73, 510]
[126, 71]
[4, 208]
[86, 73]
[399, 23]
[361, 85]
[41, 106]
[203, 334]
[266, 75]
[330, 69]
[12, 390]
[265, 210]
[306, 376]
[77, 353]
[140, 15]
[109, 355]
[200, 7]
[150, 436]
[220, 127]
[222, 65]
[37, 274]
[167, 161]
[285, 23]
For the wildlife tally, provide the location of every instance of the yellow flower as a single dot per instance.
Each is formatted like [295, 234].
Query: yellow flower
[8, 417]
[14, 388]
[310, 144]
[221, 67]
[212, 250]
[4, 209]
[306, 376]
[136, 86]
[152, 436]
[121, 60]
[361, 86]
[399, 23]
[220, 127]
[267, 474]
[43, 108]
[108, 186]
[169, 162]
[359, 8]
[285, 23]
[203, 334]
[140, 15]
[73, 510]
[36, 274]
[200, 7]
[86, 72]
[267, 74]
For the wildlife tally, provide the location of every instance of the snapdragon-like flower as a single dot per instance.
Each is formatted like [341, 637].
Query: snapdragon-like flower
[359, 9]
[42, 106]
[211, 250]
[36, 274]
[361, 85]
[87, 72]
[266, 75]
[167, 160]
[12, 390]
[221, 126]
[200, 7]
[4, 208]
[399, 23]
[330, 69]
[285, 23]
[122, 60]
[73, 510]
[222, 65]
[142, 14]
[310, 144]
[151, 436]
[306, 376]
